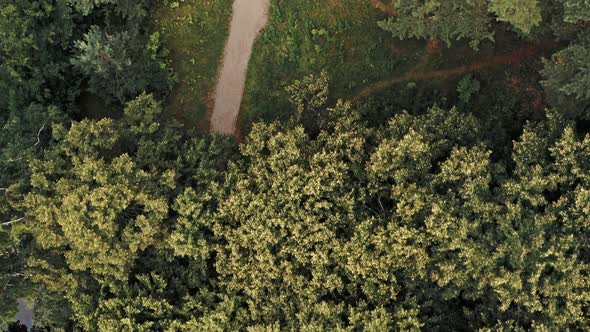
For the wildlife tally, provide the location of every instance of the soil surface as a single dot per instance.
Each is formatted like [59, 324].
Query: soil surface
[248, 19]
[515, 57]
[387, 9]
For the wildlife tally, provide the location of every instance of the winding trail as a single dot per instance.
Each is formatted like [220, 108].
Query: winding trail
[516, 56]
[248, 19]
[433, 47]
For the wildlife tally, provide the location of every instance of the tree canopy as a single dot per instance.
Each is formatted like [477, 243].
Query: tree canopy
[459, 204]
[473, 20]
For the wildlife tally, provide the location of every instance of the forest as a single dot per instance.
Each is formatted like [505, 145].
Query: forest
[396, 165]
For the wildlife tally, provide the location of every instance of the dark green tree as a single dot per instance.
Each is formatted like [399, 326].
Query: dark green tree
[471, 21]
[119, 66]
[567, 80]
[131, 9]
[445, 20]
[33, 39]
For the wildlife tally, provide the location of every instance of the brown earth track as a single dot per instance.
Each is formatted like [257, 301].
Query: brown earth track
[387, 9]
[514, 57]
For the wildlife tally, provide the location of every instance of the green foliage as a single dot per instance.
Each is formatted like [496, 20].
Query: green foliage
[16, 40]
[445, 20]
[567, 79]
[118, 67]
[471, 20]
[40, 87]
[286, 220]
[100, 51]
[309, 94]
[568, 72]
[307, 37]
[34, 36]
[318, 226]
[195, 33]
[426, 225]
[576, 11]
[467, 87]
[11, 277]
[102, 203]
[86, 6]
[522, 14]
[33, 41]
[133, 9]
[425, 219]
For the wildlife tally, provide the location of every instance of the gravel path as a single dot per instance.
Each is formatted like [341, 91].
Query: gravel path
[25, 314]
[248, 19]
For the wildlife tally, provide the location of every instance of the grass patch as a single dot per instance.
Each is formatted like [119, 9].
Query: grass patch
[308, 36]
[194, 32]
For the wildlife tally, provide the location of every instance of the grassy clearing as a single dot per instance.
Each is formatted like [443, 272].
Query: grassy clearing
[308, 36]
[194, 31]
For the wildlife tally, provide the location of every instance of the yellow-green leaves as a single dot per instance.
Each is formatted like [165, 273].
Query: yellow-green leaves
[141, 114]
[104, 211]
[108, 207]
[523, 14]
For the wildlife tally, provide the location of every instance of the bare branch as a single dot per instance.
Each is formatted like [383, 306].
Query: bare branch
[37, 143]
[381, 205]
[8, 223]
[16, 274]
[39, 133]
[375, 212]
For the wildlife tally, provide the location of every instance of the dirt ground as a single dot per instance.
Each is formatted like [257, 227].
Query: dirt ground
[248, 19]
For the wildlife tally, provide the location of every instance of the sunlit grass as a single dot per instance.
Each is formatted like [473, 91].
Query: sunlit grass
[308, 36]
[194, 32]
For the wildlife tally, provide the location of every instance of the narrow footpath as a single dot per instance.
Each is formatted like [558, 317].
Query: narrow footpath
[514, 57]
[248, 19]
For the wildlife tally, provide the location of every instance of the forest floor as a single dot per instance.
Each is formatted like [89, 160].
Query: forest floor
[342, 37]
[485, 62]
[308, 36]
[248, 18]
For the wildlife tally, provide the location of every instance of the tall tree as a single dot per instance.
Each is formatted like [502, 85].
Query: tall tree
[119, 66]
[470, 20]
[411, 227]
[522, 14]
[445, 20]
[133, 9]
[288, 215]
[102, 216]
[576, 11]
[33, 40]
[567, 80]
[567, 75]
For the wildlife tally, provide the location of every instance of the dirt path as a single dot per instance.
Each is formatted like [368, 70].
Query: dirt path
[248, 19]
[387, 9]
[25, 314]
[516, 56]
